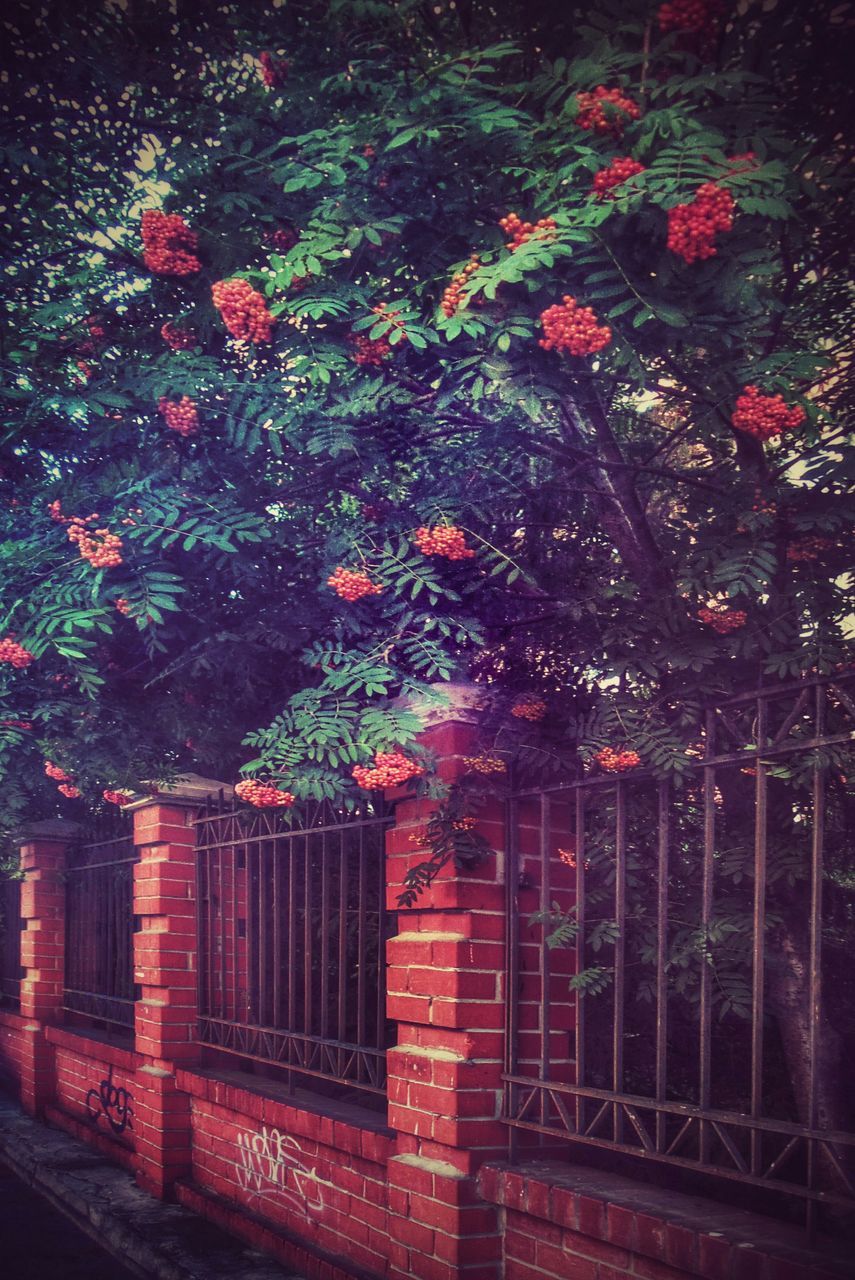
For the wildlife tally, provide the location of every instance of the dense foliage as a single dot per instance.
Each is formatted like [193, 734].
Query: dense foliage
[431, 358]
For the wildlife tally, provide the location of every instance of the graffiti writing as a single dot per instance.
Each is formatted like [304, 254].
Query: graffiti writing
[112, 1102]
[271, 1163]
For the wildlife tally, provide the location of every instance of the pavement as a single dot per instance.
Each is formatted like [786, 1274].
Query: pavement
[68, 1214]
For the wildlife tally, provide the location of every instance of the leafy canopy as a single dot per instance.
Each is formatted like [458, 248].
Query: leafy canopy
[607, 498]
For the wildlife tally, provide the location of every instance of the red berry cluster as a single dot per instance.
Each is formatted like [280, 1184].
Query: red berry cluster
[692, 228]
[179, 415]
[529, 709]
[521, 232]
[84, 369]
[283, 239]
[809, 547]
[463, 824]
[443, 540]
[617, 761]
[67, 789]
[391, 768]
[485, 764]
[420, 837]
[568, 857]
[100, 547]
[353, 584]
[452, 298]
[123, 606]
[765, 416]
[14, 653]
[54, 771]
[95, 327]
[16, 724]
[723, 620]
[689, 17]
[117, 797]
[169, 244]
[176, 338]
[55, 510]
[369, 351]
[605, 110]
[244, 310]
[569, 327]
[263, 794]
[274, 71]
[619, 171]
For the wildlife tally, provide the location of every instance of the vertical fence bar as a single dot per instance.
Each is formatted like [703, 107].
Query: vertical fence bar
[815, 947]
[707, 889]
[323, 934]
[307, 942]
[664, 845]
[380, 1003]
[545, 966]
[361, 947]
[620, 956]
[758, 951]
[581, 924]
[343, 908]
[512, 966]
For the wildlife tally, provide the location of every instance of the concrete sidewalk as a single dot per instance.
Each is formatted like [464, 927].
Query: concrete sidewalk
[150, 1239]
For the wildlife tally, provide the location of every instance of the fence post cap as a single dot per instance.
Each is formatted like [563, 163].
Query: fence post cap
[455, 700]
[190, 788]
[49, 829]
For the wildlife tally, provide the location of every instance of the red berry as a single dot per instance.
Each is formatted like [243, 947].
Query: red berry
[452, 298]
[614, 175]
[765, 416]
[443, 540]
[353, 584]
[722, 619]
[569, 327]
[692, 228]
[176, 338]
[391, 768]
[179, 415]
[169, 244]
[244, 311]
[263, 794]
[54, 771]
[15, 654]
[529, 709]
[615, 762]
[117, 797]
[605, 110]
[521, 232]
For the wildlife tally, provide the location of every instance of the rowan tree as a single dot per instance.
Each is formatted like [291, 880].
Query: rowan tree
[525, 278]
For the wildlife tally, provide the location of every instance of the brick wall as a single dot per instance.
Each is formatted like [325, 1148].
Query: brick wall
[566, 1223]
[328, 1189]
[308, 1174]
[12, 1041]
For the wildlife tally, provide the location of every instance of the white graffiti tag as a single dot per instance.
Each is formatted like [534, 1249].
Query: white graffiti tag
[270, 1163]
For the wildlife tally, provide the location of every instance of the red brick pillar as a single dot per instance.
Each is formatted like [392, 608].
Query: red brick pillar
[165, 967]
[446, 990]
[42, 953]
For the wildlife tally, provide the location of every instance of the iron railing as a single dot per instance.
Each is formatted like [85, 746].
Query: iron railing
[99, 987]
[292, 929]
[10, 941]
[680, 977]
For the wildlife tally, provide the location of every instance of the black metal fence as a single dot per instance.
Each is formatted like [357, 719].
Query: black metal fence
[292, 931]
[681, 986]
[10, 941]
[99, 927]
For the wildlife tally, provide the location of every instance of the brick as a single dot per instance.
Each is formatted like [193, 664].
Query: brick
[681, 1247]
[713, 1257]
[620, 1226]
